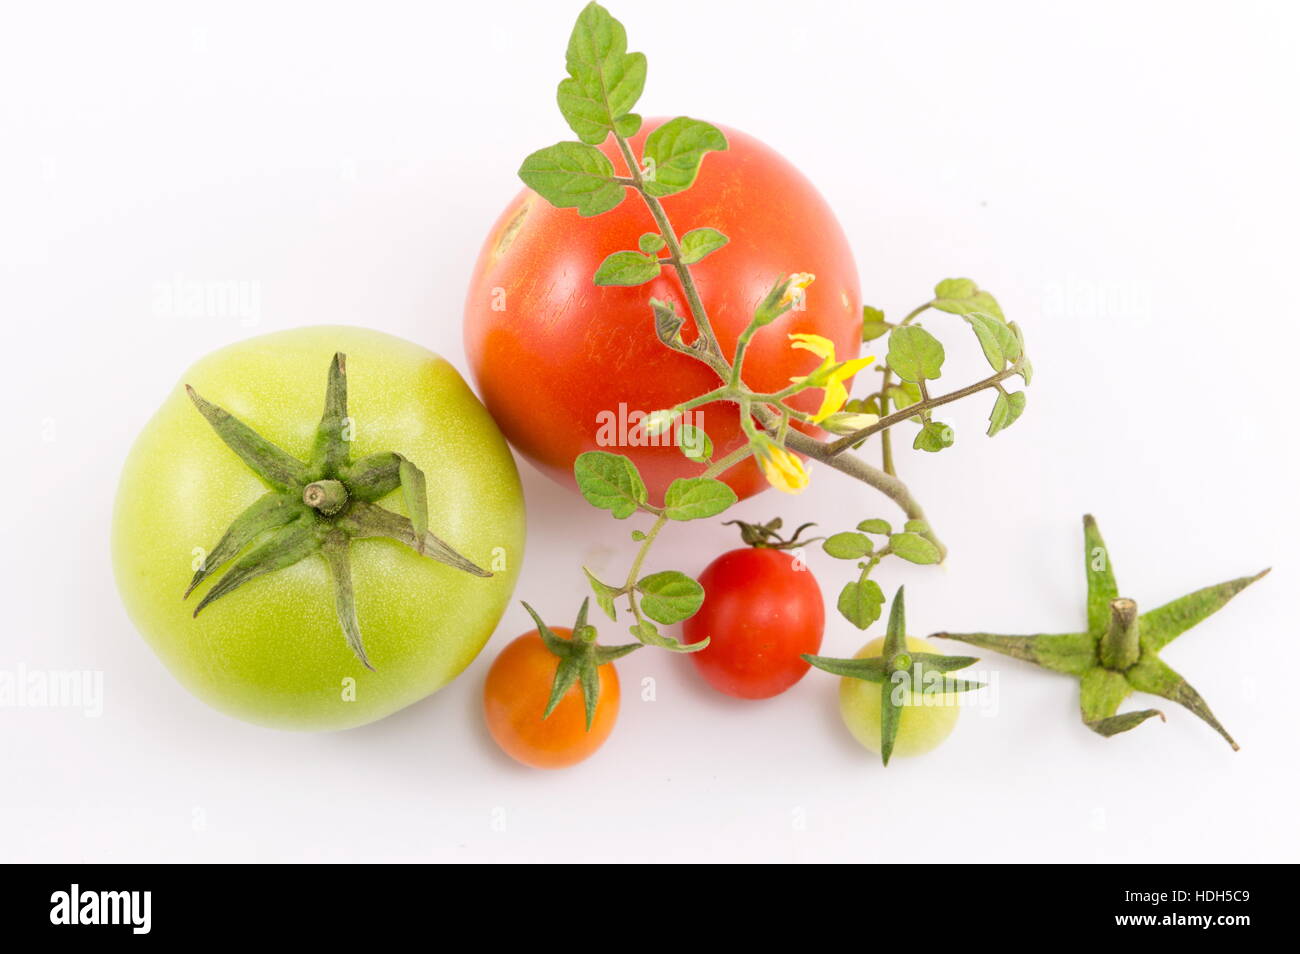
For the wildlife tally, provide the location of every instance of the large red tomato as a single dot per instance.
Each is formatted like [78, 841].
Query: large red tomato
[556, 357]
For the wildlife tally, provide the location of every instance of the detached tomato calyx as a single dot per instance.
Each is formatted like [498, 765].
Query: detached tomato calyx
[765, 535]
[318, 506]
[580, 659]
[898, 668]
[1120, 650]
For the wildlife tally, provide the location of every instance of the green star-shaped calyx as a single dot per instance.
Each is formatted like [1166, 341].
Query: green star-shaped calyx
[580, 660]
[318, 506]
[899, 671]
[1120, 651]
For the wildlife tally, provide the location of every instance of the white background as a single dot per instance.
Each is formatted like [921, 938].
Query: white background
[1121, 175]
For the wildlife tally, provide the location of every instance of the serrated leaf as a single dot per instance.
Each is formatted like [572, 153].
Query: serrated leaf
[961, 296]
[914, 353]
[914, 548]
[698, 243]
[998, 341]
[1006, 409]
[871, 330]
[572, 175]
[694, 443]
[1026, 370]
[695, 498]
[610, 482]
[605, 80]
[648, 633]
[860, 602]
[847, 545]
[934, 436]
[955, 288]
[904, 395]
[627, 268]
[604, 594]
[669, 596]
[875, 525]
[650, 242]
[675, 151]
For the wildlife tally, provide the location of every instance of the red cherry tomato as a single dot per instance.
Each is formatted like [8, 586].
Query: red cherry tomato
[762, 609]
[561, 363]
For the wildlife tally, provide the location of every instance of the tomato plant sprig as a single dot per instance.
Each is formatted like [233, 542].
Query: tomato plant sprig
[1120, 650]
[596, 99]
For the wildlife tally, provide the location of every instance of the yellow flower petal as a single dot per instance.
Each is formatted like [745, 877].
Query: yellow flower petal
[783, 470]
[822, 347]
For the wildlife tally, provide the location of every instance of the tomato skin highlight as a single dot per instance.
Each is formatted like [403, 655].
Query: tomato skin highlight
[760, 613]
[553, 355]
[515, 694]
[921, 727]
[273, 652]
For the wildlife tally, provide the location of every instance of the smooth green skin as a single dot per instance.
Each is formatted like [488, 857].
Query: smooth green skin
[272, 652]
[921, 727]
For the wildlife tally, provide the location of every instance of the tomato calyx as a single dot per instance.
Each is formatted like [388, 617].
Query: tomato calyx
[580, 659]
[1119, 652]
[765, 535]
[898, 668]
[318, 506]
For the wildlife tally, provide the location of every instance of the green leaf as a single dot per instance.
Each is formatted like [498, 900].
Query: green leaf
[860, 602]
[675, 151]
[605, 80]
[610, 482]
[914, 353]
[627, 268]
[698, 243]
[695, 498]
[847, 545]
[961, 296]
[904, 395]
[648, 633]
[916, 526]
[571, 175]
[955, 288]
[604, 594]
[695, 444]
[914, 548]
[873, 323]
[999, 342]
[669, 596]
[1006, 409]
[650, 242]
[876, 525]
[934, 436]
[1026, 370]
[638, 535]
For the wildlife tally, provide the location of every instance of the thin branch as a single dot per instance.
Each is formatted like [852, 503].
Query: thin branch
[889, 420]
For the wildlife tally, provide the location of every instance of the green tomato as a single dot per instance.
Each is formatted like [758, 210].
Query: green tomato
[924, 722]
[340, 621]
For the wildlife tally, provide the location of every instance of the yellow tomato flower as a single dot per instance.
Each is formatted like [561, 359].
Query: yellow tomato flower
[830, 376]
[783, 470]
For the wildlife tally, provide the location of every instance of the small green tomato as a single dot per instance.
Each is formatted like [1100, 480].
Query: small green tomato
[926, 718]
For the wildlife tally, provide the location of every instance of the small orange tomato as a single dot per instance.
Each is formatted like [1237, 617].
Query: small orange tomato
[515, 695]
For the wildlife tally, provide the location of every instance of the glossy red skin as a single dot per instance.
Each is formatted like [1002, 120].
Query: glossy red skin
[760, 613]
[564, 350]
